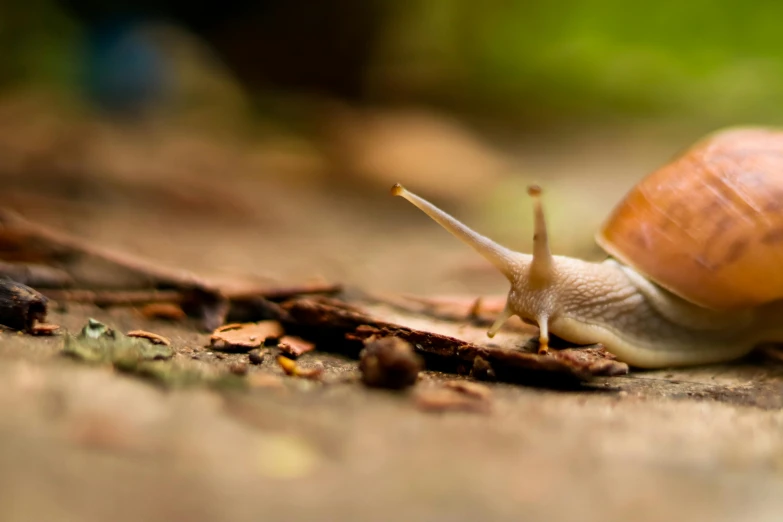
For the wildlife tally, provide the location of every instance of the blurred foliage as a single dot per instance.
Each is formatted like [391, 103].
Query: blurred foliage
[713, 59]
[718, 61]
[36, 44]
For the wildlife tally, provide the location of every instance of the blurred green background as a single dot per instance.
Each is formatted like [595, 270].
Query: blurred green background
[519, 61]
[333, 101]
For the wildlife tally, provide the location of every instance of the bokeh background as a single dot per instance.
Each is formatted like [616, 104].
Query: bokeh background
[263, 135]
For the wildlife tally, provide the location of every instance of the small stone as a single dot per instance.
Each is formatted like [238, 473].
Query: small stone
[389, 362]
[256, 356]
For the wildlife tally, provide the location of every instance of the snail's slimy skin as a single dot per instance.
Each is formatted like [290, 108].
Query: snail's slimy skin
[582, 302]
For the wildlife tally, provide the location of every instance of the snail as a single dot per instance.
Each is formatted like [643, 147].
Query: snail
[694, 266]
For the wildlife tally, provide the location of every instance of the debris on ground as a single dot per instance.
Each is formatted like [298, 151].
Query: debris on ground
[144, 355]
[294, 346]
[21, 307]
[256, 356]
[152, 337]
[98, 343]
[389, 362]
[45, 329]
[243, 337]
[293, 369]
[481, 369]
[66, 268]
[509, 356]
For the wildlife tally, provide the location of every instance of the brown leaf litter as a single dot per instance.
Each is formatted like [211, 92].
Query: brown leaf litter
[151, 337]
[45, 329]
[294, 346]
[243, 337]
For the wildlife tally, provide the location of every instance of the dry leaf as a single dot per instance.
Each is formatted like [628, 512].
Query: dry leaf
[294, 346]
[152, 337]
[243, 337]
[45, 329]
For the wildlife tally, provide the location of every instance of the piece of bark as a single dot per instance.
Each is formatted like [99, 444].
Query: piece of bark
[93, 267]
[294, 346]
[511, 356]
[107, 277]
[21, 306]
[243, 337]
[87, 263]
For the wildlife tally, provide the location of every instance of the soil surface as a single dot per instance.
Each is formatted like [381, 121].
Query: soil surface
[89, 443]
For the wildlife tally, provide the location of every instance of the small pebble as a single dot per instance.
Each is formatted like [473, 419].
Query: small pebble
[389, 362]
[256, 356]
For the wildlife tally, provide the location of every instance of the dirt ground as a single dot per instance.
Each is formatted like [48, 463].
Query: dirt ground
[86, 443]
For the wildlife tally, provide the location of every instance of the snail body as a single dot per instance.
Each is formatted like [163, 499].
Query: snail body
[696, 268]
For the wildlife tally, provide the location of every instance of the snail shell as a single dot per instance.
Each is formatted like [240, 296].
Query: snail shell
[708, 226]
